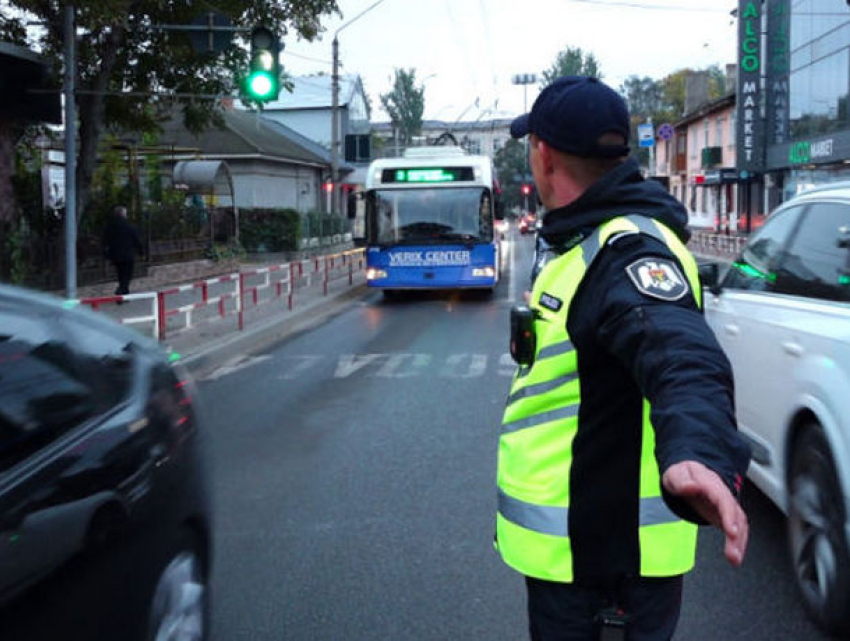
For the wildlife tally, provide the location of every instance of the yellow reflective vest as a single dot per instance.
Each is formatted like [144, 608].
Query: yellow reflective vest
[541, 420]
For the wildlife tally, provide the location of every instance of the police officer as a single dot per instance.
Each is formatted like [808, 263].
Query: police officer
[619, 434]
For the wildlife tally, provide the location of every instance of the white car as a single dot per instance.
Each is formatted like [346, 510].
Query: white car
[782, 314]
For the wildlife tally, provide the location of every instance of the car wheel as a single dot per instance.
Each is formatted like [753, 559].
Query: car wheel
[179, 606]
[816, 518]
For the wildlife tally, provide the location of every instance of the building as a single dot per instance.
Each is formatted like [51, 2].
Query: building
[307, 108]
[480, 137]
[698, 159]
[793, 91]
[270, 165]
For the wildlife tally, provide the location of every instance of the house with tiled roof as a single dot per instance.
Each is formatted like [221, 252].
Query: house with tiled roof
[272, 166]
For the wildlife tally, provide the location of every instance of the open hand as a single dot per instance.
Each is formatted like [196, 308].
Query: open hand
[706, 492]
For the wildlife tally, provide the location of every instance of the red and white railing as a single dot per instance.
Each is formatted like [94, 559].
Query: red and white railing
[184, 307]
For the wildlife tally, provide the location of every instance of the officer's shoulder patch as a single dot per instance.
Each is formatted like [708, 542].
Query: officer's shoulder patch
[658, 277]
[550, 302]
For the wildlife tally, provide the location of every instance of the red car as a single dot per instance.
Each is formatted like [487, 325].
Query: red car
[526, 224]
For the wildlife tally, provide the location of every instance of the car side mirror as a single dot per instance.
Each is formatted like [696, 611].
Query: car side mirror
[709, 276]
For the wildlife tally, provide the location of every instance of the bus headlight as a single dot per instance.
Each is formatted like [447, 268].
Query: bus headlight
[375, 274]
[487, 272]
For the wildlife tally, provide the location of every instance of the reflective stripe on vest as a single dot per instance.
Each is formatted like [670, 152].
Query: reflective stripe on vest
[541, 420]
[551, 520]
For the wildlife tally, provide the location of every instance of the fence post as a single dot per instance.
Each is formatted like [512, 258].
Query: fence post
[240, 300]
[160, 312]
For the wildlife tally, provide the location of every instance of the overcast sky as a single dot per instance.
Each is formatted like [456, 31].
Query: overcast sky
[465, 51]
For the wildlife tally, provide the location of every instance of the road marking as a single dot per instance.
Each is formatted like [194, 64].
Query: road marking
[234, 365]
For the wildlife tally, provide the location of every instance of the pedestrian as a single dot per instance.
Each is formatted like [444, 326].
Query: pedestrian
[120, 245]
[619, 435]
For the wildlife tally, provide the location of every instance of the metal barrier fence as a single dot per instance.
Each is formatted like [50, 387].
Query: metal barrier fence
[720, 245]
[183, 307]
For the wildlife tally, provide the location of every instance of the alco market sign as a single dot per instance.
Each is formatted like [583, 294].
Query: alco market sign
[749, 135]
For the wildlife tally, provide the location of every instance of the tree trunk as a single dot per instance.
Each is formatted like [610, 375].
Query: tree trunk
[8, 136]
[92, 109]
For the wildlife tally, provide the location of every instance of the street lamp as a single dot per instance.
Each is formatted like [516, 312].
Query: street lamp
[525, 79]
[335, 109]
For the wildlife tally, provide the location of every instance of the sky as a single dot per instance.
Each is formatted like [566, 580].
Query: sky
[466, 52]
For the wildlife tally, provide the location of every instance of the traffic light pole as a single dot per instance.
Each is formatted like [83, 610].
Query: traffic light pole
[335, 128]
[70, 154]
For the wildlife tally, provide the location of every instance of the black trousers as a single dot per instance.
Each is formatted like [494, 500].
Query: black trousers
[124, 269]
[569, 612]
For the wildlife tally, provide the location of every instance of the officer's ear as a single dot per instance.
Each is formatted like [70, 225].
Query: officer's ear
[547, 156]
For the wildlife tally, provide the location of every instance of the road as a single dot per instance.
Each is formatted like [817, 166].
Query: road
[354, 469]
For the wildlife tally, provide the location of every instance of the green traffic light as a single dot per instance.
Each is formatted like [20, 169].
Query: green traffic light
[263, 79]
[260, 85]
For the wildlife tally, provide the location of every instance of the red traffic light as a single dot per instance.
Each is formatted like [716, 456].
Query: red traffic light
[526, 190]
[329, 187]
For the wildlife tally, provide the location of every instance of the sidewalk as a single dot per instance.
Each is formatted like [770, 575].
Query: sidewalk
[207, 334]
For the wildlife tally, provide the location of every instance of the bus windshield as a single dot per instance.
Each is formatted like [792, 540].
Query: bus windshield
[439, 215]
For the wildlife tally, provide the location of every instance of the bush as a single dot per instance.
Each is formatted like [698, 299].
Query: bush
[323, 224]
[272, 230]
[221, 251]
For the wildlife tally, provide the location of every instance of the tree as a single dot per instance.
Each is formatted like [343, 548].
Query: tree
[127, 66]
[405, 104]
[510, 163]
[572, 61]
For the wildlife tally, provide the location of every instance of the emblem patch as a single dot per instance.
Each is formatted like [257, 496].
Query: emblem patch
[550, 302]
[658, 277]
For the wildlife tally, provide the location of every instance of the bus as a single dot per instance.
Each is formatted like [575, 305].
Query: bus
[430, 221]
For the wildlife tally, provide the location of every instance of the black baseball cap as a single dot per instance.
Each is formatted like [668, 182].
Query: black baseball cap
[572, 113]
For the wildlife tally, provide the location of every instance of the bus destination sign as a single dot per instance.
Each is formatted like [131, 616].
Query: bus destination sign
[427, 175]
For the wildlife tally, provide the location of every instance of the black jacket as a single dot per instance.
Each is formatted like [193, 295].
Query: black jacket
[632, 345]
[121, 241]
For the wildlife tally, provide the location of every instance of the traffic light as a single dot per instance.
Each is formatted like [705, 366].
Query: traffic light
[526, 189]
[263, 80]
[27, 86]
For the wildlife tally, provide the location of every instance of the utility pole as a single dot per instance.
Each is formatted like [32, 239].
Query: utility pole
[525, 79]
[335, 144]
[70, 153]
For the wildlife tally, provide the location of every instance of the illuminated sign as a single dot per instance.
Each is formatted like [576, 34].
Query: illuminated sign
[427, 175]
[750, 128]
[804, 151]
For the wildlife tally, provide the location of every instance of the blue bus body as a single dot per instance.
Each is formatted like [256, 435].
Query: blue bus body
[430, 221]
[433, 266]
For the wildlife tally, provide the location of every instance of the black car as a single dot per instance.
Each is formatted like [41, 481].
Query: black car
[104, 508]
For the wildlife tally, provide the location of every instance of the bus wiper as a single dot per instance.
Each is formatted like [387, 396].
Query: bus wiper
[464, 238]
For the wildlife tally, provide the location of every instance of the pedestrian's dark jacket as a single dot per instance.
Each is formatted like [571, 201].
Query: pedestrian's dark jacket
[121, 241]
[633, 346]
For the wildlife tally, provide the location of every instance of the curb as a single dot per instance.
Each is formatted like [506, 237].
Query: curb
[269, 332]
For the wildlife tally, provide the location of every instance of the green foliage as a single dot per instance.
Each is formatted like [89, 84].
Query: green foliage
[405, 104]
[127, 66]
[510, 162]
[17, 240]
[323, 225]
[272, 230]
[171, 218]
[232, 250]
[108, 190]
[572, 61]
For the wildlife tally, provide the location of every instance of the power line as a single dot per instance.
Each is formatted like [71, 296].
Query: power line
[639, 5]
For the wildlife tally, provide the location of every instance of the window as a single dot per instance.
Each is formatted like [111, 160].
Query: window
[753, 269]
[104, 361]
[41, 395]
[718, 132]
[817, 262]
